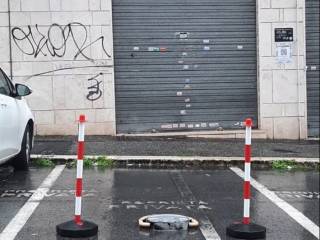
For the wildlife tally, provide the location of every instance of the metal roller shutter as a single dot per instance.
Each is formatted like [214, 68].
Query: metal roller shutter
[184, 65]
[313, 70]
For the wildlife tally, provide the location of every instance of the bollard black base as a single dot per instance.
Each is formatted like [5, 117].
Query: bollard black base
[72, 230]
[246, 231]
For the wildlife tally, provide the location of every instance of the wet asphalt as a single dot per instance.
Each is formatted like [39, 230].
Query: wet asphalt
[116, 198]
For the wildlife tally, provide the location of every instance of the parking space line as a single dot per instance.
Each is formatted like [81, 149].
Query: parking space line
[299, 217]
[20, 219]
[206, 227]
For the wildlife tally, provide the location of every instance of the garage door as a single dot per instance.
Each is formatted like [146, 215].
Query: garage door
[184, 65]
[313, 70]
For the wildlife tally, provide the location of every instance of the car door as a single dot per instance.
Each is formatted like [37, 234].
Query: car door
[9, 119]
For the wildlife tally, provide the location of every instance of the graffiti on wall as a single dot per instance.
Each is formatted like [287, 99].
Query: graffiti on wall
[54, 42]
[94, 91]
[63, 41]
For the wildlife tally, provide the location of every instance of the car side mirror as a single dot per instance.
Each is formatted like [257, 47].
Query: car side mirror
[22, 90]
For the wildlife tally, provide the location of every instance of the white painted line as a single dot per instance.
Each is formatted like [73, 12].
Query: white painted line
[208, 230]
[286, 207]
[206, 226]
[178, 158]
[20, 219]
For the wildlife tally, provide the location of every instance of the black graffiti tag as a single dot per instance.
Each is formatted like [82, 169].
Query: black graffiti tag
[32, 41]
[94, 90]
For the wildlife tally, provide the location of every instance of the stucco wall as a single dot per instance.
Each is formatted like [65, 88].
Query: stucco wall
[282, 87]
[63, 50]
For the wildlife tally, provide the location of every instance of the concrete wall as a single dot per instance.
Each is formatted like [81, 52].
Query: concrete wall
[63, 50]
[4, 36]
[282, 87]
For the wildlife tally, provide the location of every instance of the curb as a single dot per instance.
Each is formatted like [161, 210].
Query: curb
[173, 159]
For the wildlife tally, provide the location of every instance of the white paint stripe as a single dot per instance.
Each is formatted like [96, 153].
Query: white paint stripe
[286, 207]
[81, 132]
[206, 226]
[248, 135]
[20, 219]
[180, 158]
[79, 168]
[208, 230]
[77, 210]
[246, 208]
[247, 171]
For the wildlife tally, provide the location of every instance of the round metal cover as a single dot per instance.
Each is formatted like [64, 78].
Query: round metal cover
[168, 222]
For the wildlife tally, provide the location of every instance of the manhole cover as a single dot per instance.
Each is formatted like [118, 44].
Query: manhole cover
[169, 222]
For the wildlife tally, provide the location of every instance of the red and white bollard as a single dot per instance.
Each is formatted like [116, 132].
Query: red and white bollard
[246, 229]
[78, 228]
[247, 173]
[78, 192]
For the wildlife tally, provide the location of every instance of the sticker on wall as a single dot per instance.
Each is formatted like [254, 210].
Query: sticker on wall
[163, 49]
[206, 48]
[187, 86]
[188, 105]
[184, 54]
[283, 34]
[239, 47]
[240, 124]
[136, 48]
[166, 126]
[180, 61]
[153, 49]
[197, 125]
[183, 112]
[206, 41]
[179, 93]
[182, 35]
[187, 100]
[185, 67]
[213, 125]
[203, 125]
[313, 68]
[284, 54]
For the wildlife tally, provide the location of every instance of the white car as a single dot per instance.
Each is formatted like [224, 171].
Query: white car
[16, 124]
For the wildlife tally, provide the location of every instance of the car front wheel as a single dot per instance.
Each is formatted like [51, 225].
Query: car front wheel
[21, 161]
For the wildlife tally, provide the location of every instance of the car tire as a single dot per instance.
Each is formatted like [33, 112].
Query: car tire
[21, 161]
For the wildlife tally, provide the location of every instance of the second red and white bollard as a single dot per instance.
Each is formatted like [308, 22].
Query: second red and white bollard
[78, 228]
[246, 229]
